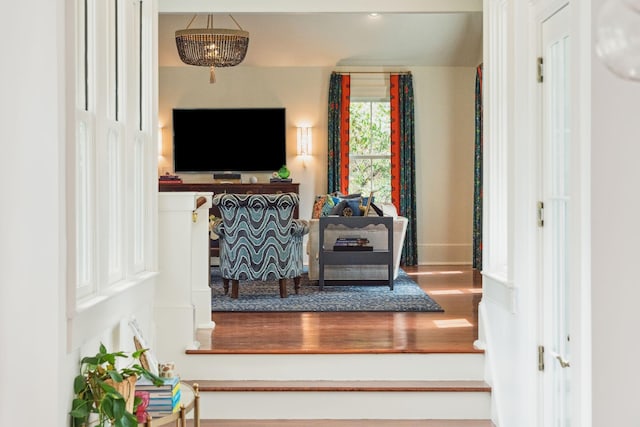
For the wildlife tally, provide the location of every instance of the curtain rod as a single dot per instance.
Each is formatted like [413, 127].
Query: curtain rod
[371, 72]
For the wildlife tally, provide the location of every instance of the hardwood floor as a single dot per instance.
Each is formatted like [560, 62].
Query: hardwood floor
[457, 289]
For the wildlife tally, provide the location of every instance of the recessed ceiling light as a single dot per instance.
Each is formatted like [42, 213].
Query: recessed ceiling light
[374, 15]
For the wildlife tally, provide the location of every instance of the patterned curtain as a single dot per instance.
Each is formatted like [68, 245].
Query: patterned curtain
[338, 157]
[403, 163]
[477, 178]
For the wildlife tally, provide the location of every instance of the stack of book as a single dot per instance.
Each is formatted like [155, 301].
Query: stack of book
[170, 179]
[352, 244]
[163, 399]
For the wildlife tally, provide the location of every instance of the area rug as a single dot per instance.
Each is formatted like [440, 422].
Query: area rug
[406, 296]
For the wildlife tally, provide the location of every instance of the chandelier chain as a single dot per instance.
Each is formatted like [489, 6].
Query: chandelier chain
[191, 22]
[234, 20]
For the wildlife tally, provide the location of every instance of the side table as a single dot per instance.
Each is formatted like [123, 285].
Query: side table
[351, 224]
[189, 401]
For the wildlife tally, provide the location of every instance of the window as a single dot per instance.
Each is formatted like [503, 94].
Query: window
[115, 160]
[370, 148]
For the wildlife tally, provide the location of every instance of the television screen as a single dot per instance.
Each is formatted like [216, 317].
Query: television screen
[229, 139]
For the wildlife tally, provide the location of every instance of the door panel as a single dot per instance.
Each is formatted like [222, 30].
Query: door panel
[556, 196]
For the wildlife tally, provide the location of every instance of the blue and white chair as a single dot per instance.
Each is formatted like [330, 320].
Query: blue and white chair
[260, 240]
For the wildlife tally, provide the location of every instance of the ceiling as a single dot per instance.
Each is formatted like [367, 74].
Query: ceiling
[342, 39]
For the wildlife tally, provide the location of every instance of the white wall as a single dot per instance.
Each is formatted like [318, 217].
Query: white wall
[445, 136]
[32, 224]
[444, 126]
[39, 359]
[615, 231]
[604, 372]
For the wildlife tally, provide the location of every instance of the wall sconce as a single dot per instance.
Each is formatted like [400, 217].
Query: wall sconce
[304, 141]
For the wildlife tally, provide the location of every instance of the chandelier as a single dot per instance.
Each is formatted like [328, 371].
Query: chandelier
[212, 47]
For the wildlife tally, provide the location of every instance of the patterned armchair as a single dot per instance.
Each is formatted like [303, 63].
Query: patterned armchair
[259, 239]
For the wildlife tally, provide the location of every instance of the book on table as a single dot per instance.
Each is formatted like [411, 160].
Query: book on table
[164, 405]
[165, 402]
[352, 244]
[163, 399]
[171, 384]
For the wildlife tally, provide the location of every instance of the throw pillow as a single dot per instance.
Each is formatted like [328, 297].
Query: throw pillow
[337, 197]
[350, 196]
[348, 207]
[355, 202]
[342, 209]
[322, 206]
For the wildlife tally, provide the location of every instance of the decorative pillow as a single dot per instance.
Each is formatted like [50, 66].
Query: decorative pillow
[355, 202]
[348, 207]
[322, 206]
[343, 209]
[348, 196]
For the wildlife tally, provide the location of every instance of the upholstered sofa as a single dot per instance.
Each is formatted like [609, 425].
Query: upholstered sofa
[377, 237]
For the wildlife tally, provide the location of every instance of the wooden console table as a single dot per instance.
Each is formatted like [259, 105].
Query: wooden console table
[327, 256]
[233, 188]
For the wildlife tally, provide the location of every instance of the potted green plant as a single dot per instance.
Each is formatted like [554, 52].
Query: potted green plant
[107, 391]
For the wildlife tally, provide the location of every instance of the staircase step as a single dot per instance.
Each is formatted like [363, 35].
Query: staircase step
[346, 423]
[381, 400]
[334, 367]
[325, 386]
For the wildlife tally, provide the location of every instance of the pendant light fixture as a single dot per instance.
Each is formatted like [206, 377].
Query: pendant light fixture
[618, 37]
[212, 47]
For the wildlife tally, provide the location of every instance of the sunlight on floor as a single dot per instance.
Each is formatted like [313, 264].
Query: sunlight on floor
[446, 292]
[433, 273]
[455, 291]
[453, 323]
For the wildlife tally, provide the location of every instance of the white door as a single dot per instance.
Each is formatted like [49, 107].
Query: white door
[555, 214]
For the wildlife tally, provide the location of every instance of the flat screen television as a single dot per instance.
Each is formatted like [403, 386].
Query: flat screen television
[207, 140]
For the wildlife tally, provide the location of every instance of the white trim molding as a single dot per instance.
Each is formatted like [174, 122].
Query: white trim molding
[499, 290]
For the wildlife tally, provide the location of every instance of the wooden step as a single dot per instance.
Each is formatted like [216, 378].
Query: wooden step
[345, 423]
[346, 386]
[334, 367]
[340, 400]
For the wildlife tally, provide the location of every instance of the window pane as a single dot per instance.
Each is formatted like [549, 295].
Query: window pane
[115, 232]
[360, 176]
[367, 175]
[85, 225]
[381, 180]
[370, 149]
[370, 127]
[359, 128]
[380, 128]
